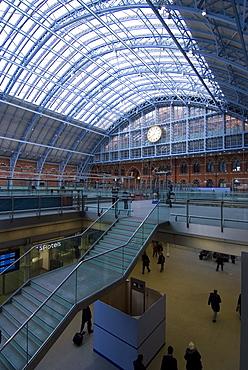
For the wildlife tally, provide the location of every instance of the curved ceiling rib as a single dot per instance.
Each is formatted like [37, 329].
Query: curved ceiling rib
[82, 66]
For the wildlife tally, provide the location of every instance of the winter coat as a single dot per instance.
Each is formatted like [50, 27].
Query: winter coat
[145, 260]
[169, 363]
[193, 358]
[161, 259]
[214, 300]
[86, 315]
[137, 365]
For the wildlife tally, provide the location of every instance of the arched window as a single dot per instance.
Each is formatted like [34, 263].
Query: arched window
[236, 167]
[210, 183]
[161, 168]
[145, 170]
[222, 183]
[123, 171]
[196, 167]
[107, 170]
[222, 165]
[196, 182]
[210, 166]
[184, 167]
[94, 170]
[116, 172]
[183, 184]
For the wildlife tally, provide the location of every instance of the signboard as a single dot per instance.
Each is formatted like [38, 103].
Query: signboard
[6, 259]
[138, 285]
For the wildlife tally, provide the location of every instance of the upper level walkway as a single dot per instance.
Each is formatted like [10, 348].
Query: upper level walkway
[207, 208]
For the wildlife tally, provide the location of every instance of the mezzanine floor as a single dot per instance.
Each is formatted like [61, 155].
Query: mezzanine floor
[187, 282]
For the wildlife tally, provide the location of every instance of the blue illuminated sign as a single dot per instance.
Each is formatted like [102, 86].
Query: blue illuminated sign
[6, 259]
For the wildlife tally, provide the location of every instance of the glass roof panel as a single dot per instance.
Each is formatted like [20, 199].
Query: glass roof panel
[96, 59]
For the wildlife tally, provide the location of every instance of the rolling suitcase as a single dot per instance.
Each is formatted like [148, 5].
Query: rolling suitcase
[78, 338]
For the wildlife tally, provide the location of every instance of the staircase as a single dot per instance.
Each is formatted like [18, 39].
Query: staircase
[33, 318]
[121, 258]
[28, 341]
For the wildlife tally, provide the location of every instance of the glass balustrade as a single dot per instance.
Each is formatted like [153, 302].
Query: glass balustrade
[220, 213]
[48, 256]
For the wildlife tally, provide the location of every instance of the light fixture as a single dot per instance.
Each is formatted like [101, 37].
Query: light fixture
[204, 13]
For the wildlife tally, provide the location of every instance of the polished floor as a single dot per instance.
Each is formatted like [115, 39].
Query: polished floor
[187, 282]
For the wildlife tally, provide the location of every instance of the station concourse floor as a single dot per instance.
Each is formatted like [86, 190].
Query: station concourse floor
[187, 282]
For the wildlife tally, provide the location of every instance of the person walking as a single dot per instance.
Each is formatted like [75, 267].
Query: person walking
[145, 262]
[220, 262]
[161, 261]
[238, 308]
[86, 318]
[138, 363]
[114, 195]
[155, 249]
[233, 258]
[125, 196]
[193, 358]
[168, 361]
[160, 247]
[214, 300]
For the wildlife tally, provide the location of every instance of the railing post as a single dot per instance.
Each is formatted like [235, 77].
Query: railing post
[82, 205]
[76, 286]
[39, 205]
[221, 216]
[12, 207]
[187, 213]
[116, 209]
[61, 204]
[98, 205]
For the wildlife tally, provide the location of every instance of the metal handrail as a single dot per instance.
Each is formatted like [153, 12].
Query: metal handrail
[220, 203]
[70, 274]
[176, 215]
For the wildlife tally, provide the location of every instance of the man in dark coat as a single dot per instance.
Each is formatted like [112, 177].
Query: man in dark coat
[145, 262]
[114, 195]
[193, 358]
[214, 300]
[138, 363]
[125, 198]
[169, 362]
[220, 262]
[86, 318]
[161, 261]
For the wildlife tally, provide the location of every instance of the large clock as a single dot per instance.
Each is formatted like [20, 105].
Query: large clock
[154, 134]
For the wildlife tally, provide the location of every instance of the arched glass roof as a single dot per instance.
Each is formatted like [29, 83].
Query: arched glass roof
[93, 62]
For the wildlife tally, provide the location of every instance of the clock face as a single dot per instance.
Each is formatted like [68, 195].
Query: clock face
[154, 134]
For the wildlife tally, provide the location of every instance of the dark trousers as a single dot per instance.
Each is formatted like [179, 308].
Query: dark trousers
[219, 265]
[143, 268]
[89, 326]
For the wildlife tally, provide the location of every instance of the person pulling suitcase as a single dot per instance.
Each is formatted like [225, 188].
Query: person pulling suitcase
[86, 318]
